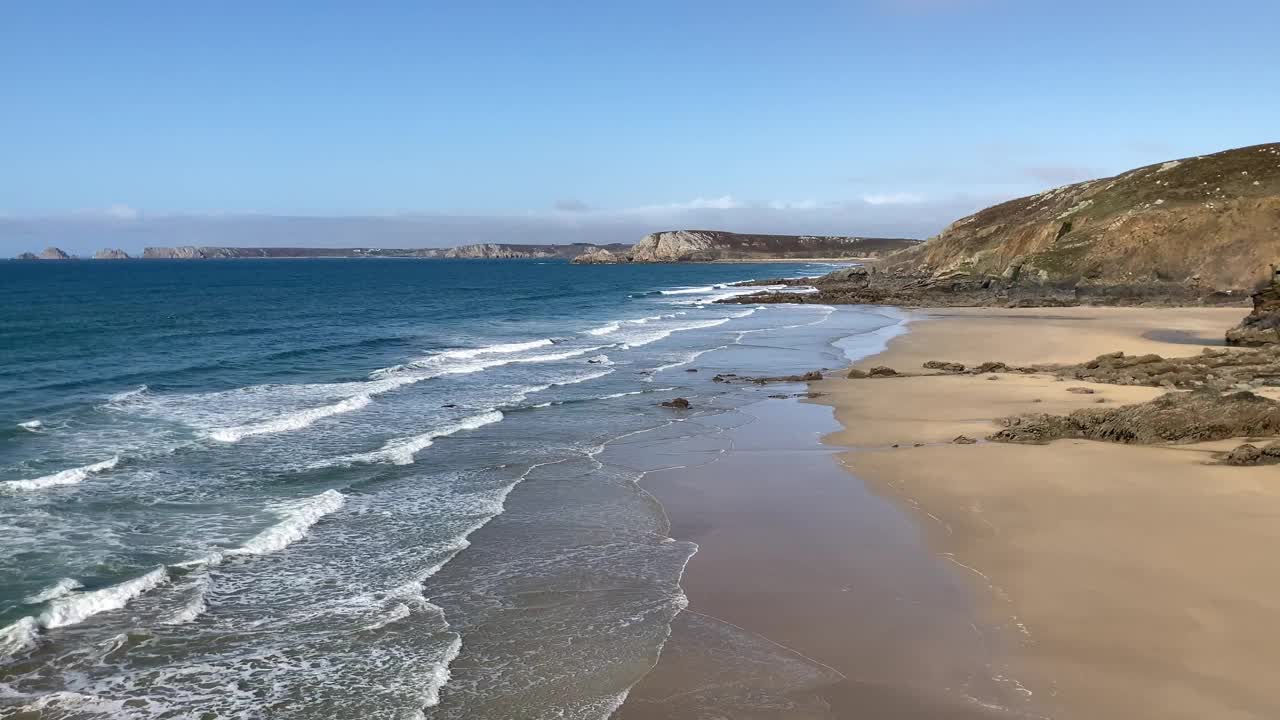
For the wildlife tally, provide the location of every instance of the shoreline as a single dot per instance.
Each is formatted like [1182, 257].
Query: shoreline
[1129, 581]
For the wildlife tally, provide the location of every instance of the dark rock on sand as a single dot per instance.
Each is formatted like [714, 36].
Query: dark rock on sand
[881, 371]
[1178, 417]
[811, 376]
[1244, 455]
[856, 374]
[951, 367]
[1262, 325]
[677, 403]
[1081, 390]
[964, 440]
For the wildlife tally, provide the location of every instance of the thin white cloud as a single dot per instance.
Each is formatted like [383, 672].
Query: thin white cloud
[121, 212]
[724, 202]
[899, 198]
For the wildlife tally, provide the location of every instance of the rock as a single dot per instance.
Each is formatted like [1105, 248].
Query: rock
[677, 403]
[811, 376]
[598, 256]
[110, 254]
[27, 256]
[856, 374]
[990, 367]
[1100, 400]
[691, 369]
[53, 253]
[1244, 455]
[1081, 390]
[881, 371]
[1178, 417]
[993, 377]
[951, 367]
[1272, 449]
[1262, 325]
[964, 440]
[493, 251]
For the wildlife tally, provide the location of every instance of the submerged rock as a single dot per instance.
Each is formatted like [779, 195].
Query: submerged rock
[677, 403]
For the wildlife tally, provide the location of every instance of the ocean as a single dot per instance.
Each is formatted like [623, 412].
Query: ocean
[358, 488]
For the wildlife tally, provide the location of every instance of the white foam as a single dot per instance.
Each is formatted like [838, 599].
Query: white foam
[296, 519]
[402, 452]
[19, 636]
[194, 608]
[128, 395]
[54, 591]
[693, 290]
[600, 360]
[606, 329]
[66, 477]
[31, 425]
[76, 607]
[500, 349]
[663, 333]
[440, 673]
[292, 421]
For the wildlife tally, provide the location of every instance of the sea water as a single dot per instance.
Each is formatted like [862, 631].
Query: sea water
[357, 488]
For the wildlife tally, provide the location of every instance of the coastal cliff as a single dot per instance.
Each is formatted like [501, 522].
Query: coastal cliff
[111, 254]
[1212, 220]
[1199, 230]
[478, 251]
[711, 245]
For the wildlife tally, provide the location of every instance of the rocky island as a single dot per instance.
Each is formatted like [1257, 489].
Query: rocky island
[712, 245]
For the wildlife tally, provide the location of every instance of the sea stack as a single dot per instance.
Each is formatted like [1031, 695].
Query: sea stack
[111, 254]
[53, 253]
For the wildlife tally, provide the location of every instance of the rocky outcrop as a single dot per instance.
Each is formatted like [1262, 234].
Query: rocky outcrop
[491, 251]
[1176, 417]
[53, 253]
[111, 254]
[597, 256]
[710, 245]
[1262, 325]
[27, 256]
[1202, 222]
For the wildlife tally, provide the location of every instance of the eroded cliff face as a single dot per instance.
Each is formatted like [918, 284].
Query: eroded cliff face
[1211, 221]
[710, 245]
[491, 251]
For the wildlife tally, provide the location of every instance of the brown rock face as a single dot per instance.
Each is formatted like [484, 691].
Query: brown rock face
[1262, 326]
[1203, 221]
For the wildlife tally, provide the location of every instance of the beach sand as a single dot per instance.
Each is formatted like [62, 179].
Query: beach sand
[1125, 582]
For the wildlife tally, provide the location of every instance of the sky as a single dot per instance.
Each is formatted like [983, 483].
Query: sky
[417, 124]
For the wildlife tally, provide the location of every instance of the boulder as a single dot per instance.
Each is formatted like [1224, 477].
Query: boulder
[677, 403]
[881, 371]
[964, 440]
[951, 367]
[1244, 455]
[1262, 325]
[856, 374]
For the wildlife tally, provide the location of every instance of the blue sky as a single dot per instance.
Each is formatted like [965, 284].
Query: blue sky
[588, 120]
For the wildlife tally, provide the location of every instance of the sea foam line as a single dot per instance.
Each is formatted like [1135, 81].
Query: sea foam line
[402, 451]
[292, 421]
[296, 519]
[54, 591]
[65, 477]
[77, 607]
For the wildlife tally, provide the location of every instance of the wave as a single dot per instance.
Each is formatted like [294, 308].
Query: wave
[54, 591]
[499, 349]
[440, 673]
[32, 425]
[292, 421]
[66, 477]
[663, 333]
[694, 290]
[19, 636]
[606, 329]
[194, 608]
[77, 607]
[128, 395]
[296, 519]
[401, 452]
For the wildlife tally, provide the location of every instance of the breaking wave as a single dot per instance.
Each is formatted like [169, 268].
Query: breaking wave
[66, 477]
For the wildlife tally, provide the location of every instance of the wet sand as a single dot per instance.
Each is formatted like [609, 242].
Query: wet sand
[1137, 582]
[810, 596]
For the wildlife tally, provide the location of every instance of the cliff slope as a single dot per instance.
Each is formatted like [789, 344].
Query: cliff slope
[1211, 221]
[709, 245]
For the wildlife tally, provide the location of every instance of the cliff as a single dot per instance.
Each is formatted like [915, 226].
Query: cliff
[110, 254]
[481, 251]
[1210, 222]
[711, 245]
[53, 253]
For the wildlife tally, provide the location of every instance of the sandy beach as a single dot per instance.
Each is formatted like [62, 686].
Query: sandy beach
[1122, 582]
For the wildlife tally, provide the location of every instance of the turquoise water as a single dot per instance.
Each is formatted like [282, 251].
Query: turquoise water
[256, 488]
